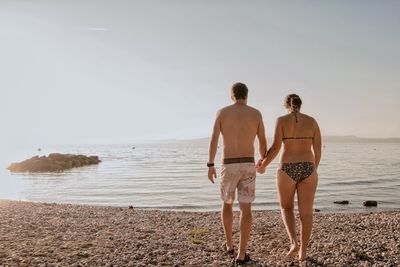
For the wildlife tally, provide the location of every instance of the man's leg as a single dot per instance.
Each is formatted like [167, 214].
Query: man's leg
[245, 228]
[246, 195]
[227, 221]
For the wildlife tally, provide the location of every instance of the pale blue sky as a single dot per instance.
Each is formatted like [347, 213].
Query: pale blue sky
[80, 71]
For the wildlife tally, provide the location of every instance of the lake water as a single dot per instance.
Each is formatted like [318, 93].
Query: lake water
[172, 175]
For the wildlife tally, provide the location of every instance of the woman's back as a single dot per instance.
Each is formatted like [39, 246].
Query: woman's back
[298, 133]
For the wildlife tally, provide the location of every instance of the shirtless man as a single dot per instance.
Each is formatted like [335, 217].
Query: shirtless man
[239, 124]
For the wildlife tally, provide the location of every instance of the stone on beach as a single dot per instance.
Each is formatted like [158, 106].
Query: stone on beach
[55, 162]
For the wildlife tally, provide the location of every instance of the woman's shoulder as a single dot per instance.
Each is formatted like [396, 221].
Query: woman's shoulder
[288, 117]
[283, 117]
[308, 117]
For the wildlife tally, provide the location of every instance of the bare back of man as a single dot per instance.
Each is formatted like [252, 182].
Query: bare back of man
[239, 127]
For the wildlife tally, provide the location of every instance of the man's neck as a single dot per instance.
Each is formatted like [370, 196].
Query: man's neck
[240, 102]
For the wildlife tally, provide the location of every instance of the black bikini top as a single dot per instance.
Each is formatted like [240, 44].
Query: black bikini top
[300, 137]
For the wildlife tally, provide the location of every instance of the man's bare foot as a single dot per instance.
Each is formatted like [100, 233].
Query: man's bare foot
[294, 249]
[228, 249]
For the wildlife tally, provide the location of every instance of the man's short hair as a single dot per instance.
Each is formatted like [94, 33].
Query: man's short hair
[239, 91]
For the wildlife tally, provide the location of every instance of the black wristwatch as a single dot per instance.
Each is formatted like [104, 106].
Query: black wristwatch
[210, 165]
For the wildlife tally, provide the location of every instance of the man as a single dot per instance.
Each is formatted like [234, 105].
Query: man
[239, 124]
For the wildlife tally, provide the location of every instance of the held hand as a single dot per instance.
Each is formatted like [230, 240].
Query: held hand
[259, 162]
[212, 174]
[261, 169]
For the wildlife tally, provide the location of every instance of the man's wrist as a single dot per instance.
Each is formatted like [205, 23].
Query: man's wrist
[209, 165]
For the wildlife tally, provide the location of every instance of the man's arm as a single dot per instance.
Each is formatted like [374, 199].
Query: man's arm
[317, 144]
[212, 150]
[262, 140]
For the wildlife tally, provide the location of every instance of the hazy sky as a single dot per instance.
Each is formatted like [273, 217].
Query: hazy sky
[104, 71]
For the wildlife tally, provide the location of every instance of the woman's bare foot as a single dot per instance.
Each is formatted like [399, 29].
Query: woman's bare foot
[302, 255]
[303, 263]
[294, 248]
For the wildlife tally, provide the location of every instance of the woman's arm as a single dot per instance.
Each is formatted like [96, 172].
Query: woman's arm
[276, 145]
[317, 144]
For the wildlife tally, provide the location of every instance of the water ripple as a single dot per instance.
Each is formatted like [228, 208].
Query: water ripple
[173, 176]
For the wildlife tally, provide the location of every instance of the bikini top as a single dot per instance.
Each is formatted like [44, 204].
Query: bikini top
[298, 137]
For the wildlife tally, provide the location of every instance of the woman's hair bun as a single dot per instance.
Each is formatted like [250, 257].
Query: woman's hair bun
[293, 102]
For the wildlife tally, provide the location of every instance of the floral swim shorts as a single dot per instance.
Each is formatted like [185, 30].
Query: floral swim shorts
[240, 176]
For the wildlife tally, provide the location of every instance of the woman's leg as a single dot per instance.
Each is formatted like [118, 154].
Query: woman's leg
[286, 190]
[305, 198]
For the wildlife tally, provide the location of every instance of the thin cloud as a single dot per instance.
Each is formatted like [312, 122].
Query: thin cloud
[100, 29]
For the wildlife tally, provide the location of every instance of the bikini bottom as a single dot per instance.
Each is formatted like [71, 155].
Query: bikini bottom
[298, 171]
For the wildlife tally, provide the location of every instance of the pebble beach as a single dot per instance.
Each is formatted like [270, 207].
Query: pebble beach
[42, 234]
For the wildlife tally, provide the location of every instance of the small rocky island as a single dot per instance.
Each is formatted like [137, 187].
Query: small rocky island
[53, 163]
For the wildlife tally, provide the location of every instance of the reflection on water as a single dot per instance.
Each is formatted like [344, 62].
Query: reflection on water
[173, 176]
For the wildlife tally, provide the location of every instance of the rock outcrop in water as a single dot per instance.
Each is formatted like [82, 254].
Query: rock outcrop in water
[370, 203]
[341, 202]
[53, 163]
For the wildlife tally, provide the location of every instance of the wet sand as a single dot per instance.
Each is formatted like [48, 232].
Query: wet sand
[39, 234]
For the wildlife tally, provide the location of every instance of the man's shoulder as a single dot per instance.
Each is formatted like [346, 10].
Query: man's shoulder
[254, 109]
[225, 109]
[232, 108]
[254, 112]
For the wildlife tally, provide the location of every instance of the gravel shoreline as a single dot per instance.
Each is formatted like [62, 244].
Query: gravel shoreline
[41, 234]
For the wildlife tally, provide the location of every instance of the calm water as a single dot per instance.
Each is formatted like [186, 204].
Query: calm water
[173, 176]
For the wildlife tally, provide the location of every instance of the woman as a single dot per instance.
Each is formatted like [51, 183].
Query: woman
[299, 161]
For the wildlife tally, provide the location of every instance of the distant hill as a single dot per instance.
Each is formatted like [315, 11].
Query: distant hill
[355, 139]
[325, 139]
